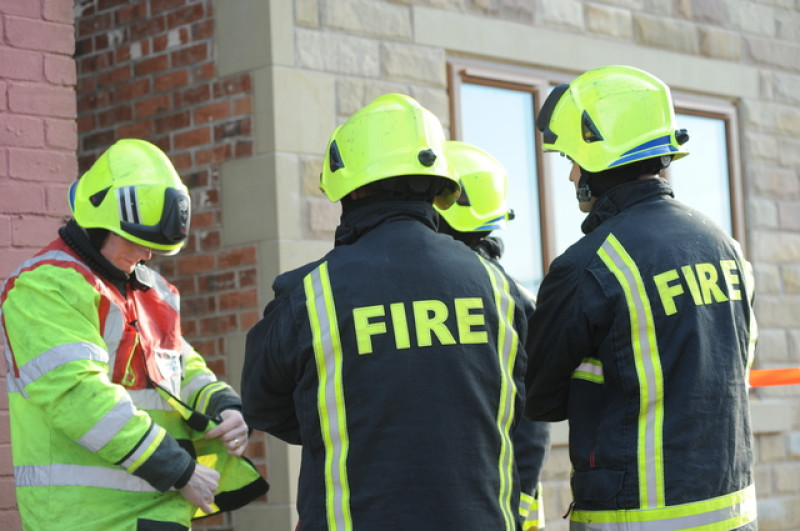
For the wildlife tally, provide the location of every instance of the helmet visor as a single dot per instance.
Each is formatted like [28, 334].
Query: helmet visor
[172, 228]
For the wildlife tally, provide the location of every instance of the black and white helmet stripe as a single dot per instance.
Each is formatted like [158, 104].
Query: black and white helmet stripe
[128, 204]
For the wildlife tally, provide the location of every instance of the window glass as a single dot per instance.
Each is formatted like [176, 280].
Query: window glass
[500, 121]
[567, 216]
[701, 179]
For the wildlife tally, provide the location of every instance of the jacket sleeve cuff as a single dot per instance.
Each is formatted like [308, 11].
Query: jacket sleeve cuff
[223, 399]
[167, 466]
[186, 476]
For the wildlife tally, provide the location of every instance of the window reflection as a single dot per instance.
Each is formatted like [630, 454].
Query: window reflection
[501, 122]
[701, 180]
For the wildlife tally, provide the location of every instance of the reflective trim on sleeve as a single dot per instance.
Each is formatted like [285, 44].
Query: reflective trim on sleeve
[722, 513]
[507, 346]
[61, 475]
[204, 398]
[196, 382]
[149, 400]
[49, 256]
[650, 448]
[58, 356]
[109, 425]
[530, 511]
[145, 448]
[330, 396]
[591, 370]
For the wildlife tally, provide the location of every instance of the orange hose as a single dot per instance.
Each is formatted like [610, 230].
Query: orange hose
[765, 377]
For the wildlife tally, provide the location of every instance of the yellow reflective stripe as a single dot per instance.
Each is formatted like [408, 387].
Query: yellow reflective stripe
[507, 344]
[525, 503]
[650, 448]
[715, 514]
[531, 511]
[59, 475]
[749, 286]
[203, 399]
[145, 448]
[330, 396]
[590, 369]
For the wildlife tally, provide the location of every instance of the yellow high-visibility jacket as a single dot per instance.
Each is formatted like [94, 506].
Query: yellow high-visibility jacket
[95, 447]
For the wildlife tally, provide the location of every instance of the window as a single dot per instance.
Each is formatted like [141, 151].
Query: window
[495, 109]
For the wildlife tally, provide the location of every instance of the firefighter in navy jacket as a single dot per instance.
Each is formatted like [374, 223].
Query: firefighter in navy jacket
[644, 331]
[480, 209]
[395, 359]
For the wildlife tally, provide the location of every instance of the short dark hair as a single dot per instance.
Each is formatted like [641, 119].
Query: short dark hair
[402, 188]
[603, 181]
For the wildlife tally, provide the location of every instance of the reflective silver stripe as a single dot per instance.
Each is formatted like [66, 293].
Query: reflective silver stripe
[57, 356]
[198, 381]
[108, 426]
[731, 511]
[507, 345]
[149, 400]
[205, 395]
[112, 333]
[330, 396]
[17, 385]
[525, 502]
[144, 446]
[128, 204]
[49, 256]
[591, 370]
[60, 475]
[648, 372]
[166, 294]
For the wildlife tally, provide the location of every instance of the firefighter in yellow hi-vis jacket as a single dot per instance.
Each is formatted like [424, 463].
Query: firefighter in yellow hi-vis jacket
[116, 421]
[644, 330]
[394, 360]
[480, 209]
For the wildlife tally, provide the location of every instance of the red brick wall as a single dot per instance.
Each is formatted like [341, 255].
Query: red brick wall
[37, 156]
[147, 69]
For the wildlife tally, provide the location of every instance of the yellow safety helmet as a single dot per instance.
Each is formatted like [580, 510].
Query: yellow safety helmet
[609, 117]
[134, 191]
[390, 137]
[484, 184]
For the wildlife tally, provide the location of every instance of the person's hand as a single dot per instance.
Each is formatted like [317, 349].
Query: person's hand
[232, 431]
[201, 487]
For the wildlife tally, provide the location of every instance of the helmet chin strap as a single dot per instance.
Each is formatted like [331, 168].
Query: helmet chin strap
[583, 192]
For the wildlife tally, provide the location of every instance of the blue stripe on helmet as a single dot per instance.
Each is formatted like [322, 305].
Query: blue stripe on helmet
[492, 224]
[650, 149]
